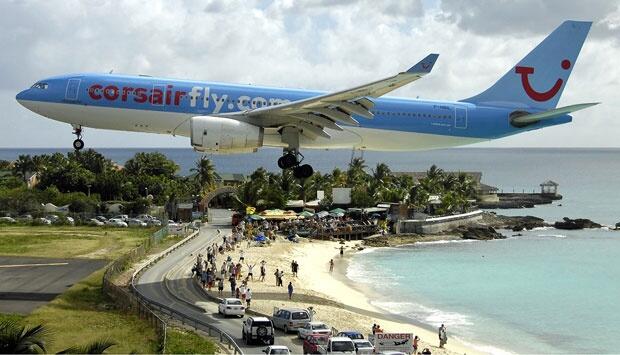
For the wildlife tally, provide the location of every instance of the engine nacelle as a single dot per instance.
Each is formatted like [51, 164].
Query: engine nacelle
[224, 135]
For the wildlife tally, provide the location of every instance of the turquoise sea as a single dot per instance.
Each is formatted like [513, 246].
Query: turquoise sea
[548, 291]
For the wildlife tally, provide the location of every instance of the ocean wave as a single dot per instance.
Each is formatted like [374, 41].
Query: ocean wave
[449, 241]
[552, 235]
[542, 228]
[428, 315]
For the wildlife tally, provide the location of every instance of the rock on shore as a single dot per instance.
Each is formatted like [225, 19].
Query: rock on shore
[482, 233]
[579, 223]
[514, 223]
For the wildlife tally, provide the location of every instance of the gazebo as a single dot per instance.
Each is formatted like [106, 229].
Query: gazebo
[549, 188]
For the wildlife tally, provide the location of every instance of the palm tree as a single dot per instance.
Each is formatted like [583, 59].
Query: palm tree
[23, 165]
[96, 347]
[205, 173]
[18, 339]
[356, 173]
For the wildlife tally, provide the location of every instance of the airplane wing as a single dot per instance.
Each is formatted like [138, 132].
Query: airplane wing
[545, 115]
[314, 114]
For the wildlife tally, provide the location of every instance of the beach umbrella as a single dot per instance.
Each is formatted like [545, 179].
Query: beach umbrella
[255, 217]
[337, 210]
[305, 214]
[337, 215]
[322, 214]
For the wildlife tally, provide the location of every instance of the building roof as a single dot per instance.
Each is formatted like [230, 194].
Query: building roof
[484, 188]
[549, 183]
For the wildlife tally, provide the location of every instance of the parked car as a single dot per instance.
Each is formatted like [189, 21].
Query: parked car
[290, 319]
[231, 307]
[351, 334]
[7, 220]
[133, 222]
[95, 222]
[172, 223]
[70, 220]
[115, 222]
[312, 342]
[258, 329]
[25, 218]
[277, 350]
[42, 221]
[337, 345]
[153, 222]
[101, 219]
[122, 217]
[363, 346]
[53, 218]
[312, 328]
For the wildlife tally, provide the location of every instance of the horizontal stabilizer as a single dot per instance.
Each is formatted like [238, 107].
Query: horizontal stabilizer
[545, 115]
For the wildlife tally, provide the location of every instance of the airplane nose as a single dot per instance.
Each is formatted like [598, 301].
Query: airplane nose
[21, 96]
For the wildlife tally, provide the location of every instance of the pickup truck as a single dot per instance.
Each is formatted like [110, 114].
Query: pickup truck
[337, 345]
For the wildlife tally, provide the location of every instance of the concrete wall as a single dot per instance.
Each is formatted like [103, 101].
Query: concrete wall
[437, 224]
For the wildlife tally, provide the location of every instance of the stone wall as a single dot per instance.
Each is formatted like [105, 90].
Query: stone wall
[437, 224]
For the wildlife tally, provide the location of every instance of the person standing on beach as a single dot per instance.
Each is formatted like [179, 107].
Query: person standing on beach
[443, 337]
[341, 250]
[248, 297]
[277, 275]
[220, 286]
[331, 265]
[416, 339]
[250, 269]
[290, 290]
[263, 272]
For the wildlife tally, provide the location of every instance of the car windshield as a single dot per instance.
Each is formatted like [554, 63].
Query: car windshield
[299, 315]
[365, 344]
[279, 351]
[342, 346]
[320, 326]
[234, 302]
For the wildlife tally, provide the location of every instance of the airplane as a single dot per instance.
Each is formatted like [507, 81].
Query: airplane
[232, 118]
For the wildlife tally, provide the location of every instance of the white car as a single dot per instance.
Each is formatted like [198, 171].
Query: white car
[95, 222]
[231, 307]
[172, 223]
[277, 350]
[115, 222]
[313, 328]
[43, 221]
[132, 222]
[122, 217]
[363, 346]
[7, 220]
[70, 220]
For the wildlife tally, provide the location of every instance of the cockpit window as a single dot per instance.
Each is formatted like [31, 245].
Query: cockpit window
[40, 85]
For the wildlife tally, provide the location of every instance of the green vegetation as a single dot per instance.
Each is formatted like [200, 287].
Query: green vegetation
[271, 190]
[83, 179]
[70, 242]
[84, 314]
[187, 342]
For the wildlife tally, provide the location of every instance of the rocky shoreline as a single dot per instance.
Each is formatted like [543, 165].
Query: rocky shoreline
[486, 229]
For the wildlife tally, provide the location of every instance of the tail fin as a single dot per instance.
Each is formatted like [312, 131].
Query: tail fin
[538, 80]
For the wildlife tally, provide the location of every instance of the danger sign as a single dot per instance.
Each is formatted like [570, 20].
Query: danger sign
[402, 342]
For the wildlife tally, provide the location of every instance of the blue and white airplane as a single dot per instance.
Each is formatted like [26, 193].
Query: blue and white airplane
[229, 118]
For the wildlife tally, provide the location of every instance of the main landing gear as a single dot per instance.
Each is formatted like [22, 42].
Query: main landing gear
[291, 159]
[78, 144]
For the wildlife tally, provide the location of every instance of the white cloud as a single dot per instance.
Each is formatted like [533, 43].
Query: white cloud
[311, 44]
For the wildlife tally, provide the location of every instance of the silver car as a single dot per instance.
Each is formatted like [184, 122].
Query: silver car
[290, 319]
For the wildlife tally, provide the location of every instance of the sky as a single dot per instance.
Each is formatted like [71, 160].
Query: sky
[315, 44]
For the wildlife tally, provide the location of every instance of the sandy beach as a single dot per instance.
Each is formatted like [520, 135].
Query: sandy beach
[336, 300]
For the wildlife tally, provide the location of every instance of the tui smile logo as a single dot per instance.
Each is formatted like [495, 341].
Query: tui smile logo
[537, 95]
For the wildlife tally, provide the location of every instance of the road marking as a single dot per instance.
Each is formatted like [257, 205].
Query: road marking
[28, 265]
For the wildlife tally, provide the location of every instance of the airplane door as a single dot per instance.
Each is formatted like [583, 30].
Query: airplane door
[158, 95]
[460, 117]
[73, 87]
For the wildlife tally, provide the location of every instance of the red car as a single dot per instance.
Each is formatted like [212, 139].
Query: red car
[311, 343]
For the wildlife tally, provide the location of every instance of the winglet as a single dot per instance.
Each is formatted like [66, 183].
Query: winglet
[425, 65]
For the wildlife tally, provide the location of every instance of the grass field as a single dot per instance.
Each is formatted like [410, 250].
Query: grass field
[70, 242]
[83, 314]
[187, 342]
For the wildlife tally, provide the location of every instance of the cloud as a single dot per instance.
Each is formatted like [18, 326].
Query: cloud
[316, 44]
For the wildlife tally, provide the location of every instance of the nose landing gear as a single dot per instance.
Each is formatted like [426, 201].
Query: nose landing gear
[78, 144]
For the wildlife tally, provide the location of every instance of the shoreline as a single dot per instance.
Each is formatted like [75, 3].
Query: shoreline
[337, 300]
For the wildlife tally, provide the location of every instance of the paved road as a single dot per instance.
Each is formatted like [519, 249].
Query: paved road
[176, 267]
[27, 282]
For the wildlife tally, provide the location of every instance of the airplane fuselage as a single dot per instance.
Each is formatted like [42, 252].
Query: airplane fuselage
[165, 106]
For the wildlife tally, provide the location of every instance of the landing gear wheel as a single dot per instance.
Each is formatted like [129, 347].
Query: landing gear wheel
[78, 144]
[287, 161]
[303, 171]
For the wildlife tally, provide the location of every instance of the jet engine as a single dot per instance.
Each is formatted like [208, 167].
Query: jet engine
[224, 135]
